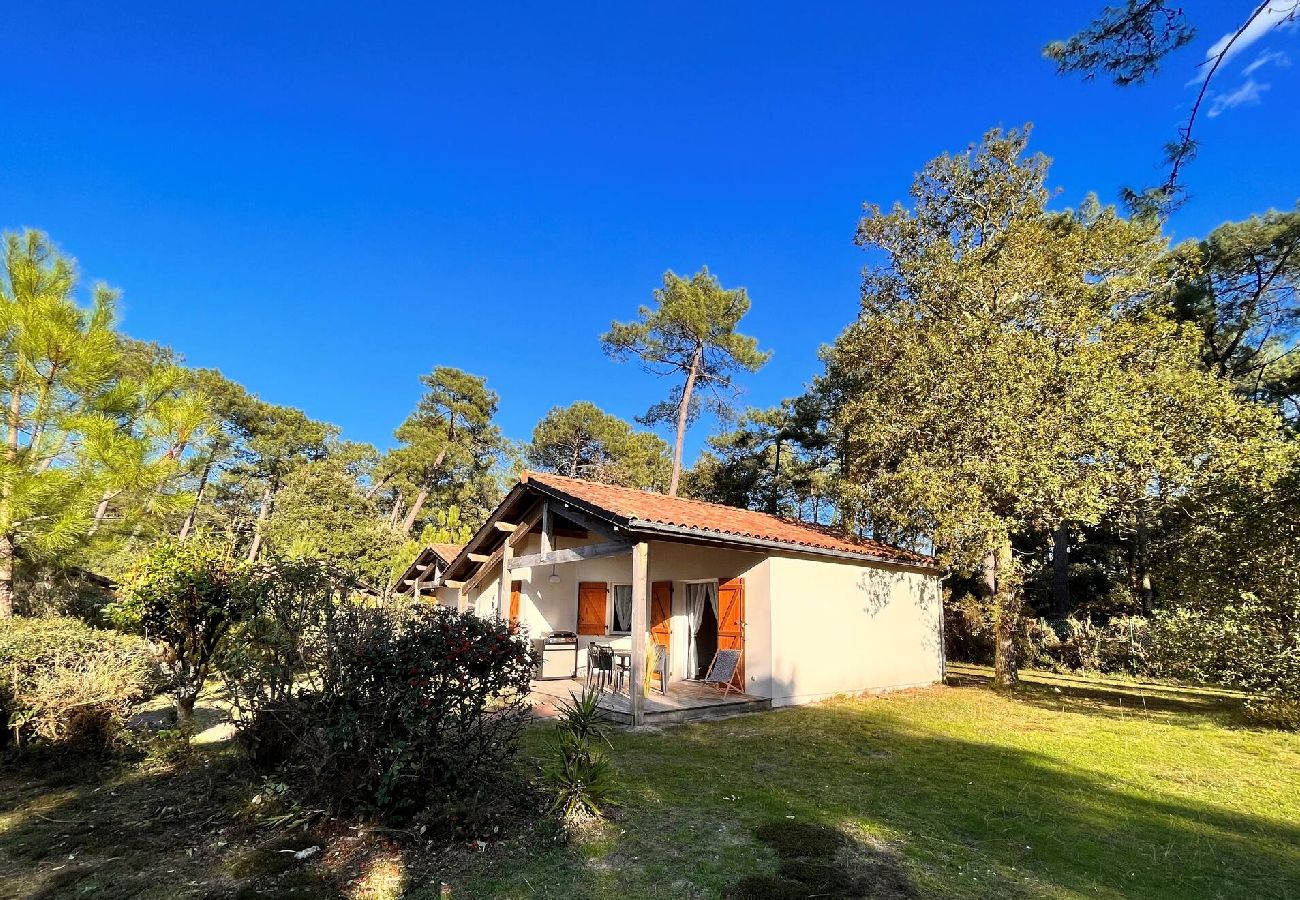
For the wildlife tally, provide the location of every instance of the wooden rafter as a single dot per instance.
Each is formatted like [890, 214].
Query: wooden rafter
[573, 554]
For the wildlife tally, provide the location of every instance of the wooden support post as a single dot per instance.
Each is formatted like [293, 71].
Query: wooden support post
[640, 625]
[503, 586]
[548, 527]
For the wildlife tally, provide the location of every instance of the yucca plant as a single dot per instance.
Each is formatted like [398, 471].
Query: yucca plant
[578, 770]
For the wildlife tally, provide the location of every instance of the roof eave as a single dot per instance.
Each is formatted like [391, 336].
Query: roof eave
[487, 530]
[723, 537]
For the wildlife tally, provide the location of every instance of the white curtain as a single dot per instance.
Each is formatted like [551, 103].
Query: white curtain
[622, 608]
[697, 594]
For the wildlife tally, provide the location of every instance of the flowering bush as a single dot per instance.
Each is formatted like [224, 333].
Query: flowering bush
[397, 711]
[63, 682]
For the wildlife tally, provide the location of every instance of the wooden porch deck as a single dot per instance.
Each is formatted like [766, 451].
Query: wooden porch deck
[686, 701]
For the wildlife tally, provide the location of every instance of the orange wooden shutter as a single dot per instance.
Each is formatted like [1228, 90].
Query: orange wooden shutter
[661, 611]
[731, 621]
[592, 614]
[516, 587]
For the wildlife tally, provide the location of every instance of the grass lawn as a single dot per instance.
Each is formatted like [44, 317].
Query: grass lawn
[1069, 788]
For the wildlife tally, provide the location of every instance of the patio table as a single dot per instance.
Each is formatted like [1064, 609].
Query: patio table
[623, 658]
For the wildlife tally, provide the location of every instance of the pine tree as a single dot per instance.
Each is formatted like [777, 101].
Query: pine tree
[447, 446]
[583, 441]
[59, 365]
[691, 334]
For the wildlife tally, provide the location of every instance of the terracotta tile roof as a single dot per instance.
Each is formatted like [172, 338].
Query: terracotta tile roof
[634, 506]
[448, 552]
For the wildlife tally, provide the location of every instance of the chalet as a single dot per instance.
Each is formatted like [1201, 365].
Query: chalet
[812, 612]
[421, 576]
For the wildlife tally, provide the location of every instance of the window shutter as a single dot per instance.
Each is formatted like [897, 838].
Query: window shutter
[592, 612]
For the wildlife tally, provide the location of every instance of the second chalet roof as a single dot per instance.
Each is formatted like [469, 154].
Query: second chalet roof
[448, 552]
[642, 510]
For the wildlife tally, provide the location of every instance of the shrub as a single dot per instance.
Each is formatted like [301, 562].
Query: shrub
[394, 711]
[186, 597]
[276, 650]
[63, 682]
[1129, 644]
[1276, 710]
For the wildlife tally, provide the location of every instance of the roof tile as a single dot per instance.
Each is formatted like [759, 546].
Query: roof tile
[628, 503]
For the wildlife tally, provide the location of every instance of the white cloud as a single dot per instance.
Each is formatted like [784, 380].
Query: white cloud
[1247, 94]
[1275, 57]
[1278, 12]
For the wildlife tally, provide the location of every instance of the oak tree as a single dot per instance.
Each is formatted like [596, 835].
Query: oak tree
[1014, 367]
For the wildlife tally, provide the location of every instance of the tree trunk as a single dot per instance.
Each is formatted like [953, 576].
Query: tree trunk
[8, 550]
[188, 525]
[263, 515]
[1141, 569]
[774, 500]
[1061, 571]
[6, 576]
[421, 497]
[185, 712]
[683, 412]
[999, 581]
[101, 510]
[378, 486]
[411, 514]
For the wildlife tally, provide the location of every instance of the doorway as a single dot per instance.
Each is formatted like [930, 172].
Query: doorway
[706, 641]
[701, 609]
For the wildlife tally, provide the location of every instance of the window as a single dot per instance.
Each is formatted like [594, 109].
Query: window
[622, 619]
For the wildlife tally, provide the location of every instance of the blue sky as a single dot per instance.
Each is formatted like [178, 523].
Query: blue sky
[327, 200]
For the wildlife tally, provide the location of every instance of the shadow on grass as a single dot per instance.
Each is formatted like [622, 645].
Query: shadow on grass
[80, 826]
[892, 798]
[1072, 694]
[818, 861]
[933, 810]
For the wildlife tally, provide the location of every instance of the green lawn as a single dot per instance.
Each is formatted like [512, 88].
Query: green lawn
[1065, 790]
[1069, 788]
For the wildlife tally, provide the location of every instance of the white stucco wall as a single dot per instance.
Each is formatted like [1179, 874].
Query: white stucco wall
[814, 627]
[846, 628]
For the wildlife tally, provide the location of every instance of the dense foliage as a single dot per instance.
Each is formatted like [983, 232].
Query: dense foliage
[90, 417]
[1014, 368]
[64, 682]
[186, 597]
[582, 441]
[394, 711]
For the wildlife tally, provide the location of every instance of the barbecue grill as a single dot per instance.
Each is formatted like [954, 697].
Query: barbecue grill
[558, 652]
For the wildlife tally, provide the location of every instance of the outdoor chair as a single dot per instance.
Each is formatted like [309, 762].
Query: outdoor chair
[660, 669]
[724, 672]
[600, 665]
